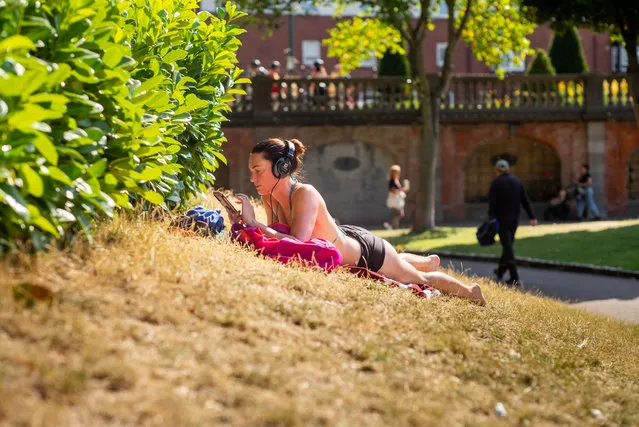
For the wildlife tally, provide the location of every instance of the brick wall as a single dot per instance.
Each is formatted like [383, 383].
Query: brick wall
[399, 144]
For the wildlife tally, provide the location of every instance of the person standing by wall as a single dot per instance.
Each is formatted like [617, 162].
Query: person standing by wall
[585, 195]
[506, 195]
[396, 198]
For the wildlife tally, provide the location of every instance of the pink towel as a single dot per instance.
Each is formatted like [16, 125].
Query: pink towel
[315, 252]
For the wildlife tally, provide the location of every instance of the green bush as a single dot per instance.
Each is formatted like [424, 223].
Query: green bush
[98, 110]
[541, 64]
[567, 54]
[392, 64]
[183, 60]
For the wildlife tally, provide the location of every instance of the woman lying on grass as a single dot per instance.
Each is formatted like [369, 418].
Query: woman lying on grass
[273, 164]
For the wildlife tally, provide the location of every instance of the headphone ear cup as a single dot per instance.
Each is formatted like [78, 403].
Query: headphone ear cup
[276, 171]
[282, 167]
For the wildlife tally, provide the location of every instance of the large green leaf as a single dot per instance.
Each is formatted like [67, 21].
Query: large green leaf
[17, 42]
[175, 55]
[44, 145]
[153, 197]
[34, 182]
[30, 114]
[41, 222]
[59, 175]
[150, 84]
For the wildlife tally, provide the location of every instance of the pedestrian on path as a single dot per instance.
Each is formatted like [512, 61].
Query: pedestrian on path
[585, 195]
[506, 195]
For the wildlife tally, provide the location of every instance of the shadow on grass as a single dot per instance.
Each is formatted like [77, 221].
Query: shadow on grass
[612, 247]
[438, 233]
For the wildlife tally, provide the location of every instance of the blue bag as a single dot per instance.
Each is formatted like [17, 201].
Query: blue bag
[208, 221]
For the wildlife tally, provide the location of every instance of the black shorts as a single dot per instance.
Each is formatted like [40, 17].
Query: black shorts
[373, 250]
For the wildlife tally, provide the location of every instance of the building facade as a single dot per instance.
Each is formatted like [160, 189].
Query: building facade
[305, 30]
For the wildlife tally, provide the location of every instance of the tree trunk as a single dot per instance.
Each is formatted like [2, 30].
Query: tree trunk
[429, 149]
[428, 153]
[633, 85]
[633, 71]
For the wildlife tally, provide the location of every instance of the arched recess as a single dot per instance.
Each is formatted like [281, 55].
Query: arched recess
[535, 163]
[633, 175]
[352, 178]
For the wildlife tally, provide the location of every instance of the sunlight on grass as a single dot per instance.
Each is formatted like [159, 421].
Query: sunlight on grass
[152, 327]
[605, 243]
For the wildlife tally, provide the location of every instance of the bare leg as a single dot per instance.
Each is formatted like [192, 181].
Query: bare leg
[397, 269]
[397, 215]
[422, 263]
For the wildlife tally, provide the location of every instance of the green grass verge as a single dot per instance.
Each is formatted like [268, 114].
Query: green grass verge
[605, 243]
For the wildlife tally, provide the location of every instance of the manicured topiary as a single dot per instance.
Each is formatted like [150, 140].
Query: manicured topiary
[567, 54]
[392, 64]
[541, 64]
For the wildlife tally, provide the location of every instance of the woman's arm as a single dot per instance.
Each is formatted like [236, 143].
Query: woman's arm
[268, 209]
[306, 202]
[248, 217]
[397, 188]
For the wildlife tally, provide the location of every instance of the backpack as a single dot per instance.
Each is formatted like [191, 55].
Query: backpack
[487, 231]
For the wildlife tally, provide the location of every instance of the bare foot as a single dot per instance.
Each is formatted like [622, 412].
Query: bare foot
[435, 261]
[477, 295]
[422, 263]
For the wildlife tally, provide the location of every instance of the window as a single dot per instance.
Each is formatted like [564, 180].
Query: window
[369, 62]
[208, 5]
[311, 51]
[509, 65]
[440, 54]
[619, 56]
[440, 10]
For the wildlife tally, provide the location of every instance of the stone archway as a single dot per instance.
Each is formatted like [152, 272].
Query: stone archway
[537, 165]
[352, 177]
[633, 176]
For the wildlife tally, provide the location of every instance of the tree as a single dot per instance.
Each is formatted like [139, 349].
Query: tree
[492, 28]
[566, 52]
[619, 18]
[392, 64]
[541, 64]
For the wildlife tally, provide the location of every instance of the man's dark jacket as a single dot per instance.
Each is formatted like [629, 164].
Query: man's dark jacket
[505, 196]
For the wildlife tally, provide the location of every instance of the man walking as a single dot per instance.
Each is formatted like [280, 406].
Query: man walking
[505, 196]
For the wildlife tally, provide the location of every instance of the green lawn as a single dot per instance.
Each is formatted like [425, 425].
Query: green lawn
[606, 243]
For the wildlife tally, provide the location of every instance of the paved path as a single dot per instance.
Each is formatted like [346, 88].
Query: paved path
[612, 296]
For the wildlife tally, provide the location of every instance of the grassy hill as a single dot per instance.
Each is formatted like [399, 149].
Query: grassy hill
[150, 327]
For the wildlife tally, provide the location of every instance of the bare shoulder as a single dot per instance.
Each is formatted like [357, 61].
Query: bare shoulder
[307, 193]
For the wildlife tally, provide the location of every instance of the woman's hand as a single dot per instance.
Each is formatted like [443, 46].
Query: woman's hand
[248, 212]
[234, 217]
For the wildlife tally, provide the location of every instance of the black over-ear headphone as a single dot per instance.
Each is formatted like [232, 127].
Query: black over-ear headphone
[284, 165]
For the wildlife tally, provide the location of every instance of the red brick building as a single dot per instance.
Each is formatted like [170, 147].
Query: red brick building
[309, 30]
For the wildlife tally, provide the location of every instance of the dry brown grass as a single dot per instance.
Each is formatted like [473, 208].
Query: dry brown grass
[149, 327]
